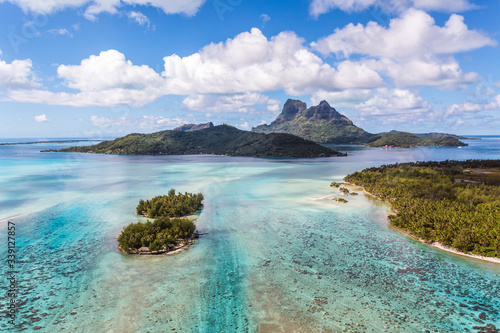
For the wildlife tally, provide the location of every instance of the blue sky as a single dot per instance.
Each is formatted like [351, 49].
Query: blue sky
[105, 68]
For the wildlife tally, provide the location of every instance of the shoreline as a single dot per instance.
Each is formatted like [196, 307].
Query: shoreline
[9, 218]
[435, 245]
[175, 250]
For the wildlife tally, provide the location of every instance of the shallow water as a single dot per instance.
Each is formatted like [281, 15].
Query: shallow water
[278, 256]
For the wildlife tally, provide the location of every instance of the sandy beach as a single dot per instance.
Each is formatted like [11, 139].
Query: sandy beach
[433, 244]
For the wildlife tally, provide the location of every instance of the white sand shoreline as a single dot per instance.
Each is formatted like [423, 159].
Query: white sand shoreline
[452, 250]
[5, 220]
[436, 245]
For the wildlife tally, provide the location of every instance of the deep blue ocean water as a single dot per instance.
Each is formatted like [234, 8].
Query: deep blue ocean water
[278, 256]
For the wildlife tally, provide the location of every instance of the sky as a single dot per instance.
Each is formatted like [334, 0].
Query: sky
[107, 68]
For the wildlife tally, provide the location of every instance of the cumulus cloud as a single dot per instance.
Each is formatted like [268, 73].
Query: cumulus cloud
[251, 62]
[41, 118]
[460, 109]
[239, 103]
[394, 101]
[96, 7]
[395, 105]
[245, 125]
[414, 33]
[107, 79]
[147, 122]
[108, 70]
[412, 51]
[318, 7]
[17, 75]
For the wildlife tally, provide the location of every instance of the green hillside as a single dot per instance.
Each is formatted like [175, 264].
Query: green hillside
[406, 140]
[219, 140]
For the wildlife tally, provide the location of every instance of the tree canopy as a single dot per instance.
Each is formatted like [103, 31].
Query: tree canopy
[156, 235]
[454, 203]
[171, 205]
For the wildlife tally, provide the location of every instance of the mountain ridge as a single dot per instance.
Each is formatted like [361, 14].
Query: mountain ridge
[325, 125]
[321, 124]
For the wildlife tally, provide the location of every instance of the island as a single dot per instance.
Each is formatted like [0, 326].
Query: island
[218, 140]
[170, 205]
[407, 140]
[454, 205]
[170, 232]
[325, 125]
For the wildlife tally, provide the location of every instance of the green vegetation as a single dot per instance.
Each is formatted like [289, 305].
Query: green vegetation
[219, 140]
[335, 184]
[161, 234]
[354, 193]
[340, 200]
[406, 140]
[322, 124]
[344, 190]
[454, 203]
[171, 205]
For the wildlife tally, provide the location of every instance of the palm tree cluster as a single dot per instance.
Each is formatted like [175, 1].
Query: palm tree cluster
[437, 201]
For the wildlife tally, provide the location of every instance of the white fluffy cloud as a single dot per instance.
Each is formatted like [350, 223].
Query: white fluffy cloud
[107, 79]
[415, 33]
[240, 103]
[17, 75]
[41, 118]
[383, 101]
[318, 7]
[460, 109]
[237, 70]
[95, 7]
[251, 62]
[148, 122]
[413, 50]
[108, 70]
[393, 101]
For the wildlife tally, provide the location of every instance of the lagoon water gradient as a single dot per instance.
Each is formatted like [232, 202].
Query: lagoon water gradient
[277, 256]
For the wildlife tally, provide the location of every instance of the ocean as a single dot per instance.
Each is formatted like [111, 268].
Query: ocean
[278, 255]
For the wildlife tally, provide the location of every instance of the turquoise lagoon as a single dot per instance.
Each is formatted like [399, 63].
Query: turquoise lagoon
[278, 256]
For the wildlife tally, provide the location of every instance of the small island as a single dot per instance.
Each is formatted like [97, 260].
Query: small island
[451, 205]
[170, 232]
[408, 140]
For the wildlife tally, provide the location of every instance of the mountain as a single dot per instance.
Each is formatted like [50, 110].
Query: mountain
[321, 123]
[193, 127]
[219, 140]
[406, 140]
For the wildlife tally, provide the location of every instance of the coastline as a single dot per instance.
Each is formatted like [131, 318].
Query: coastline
[436, 245]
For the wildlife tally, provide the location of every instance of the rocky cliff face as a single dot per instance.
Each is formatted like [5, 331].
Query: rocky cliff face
[193, 127]
[321, 123]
